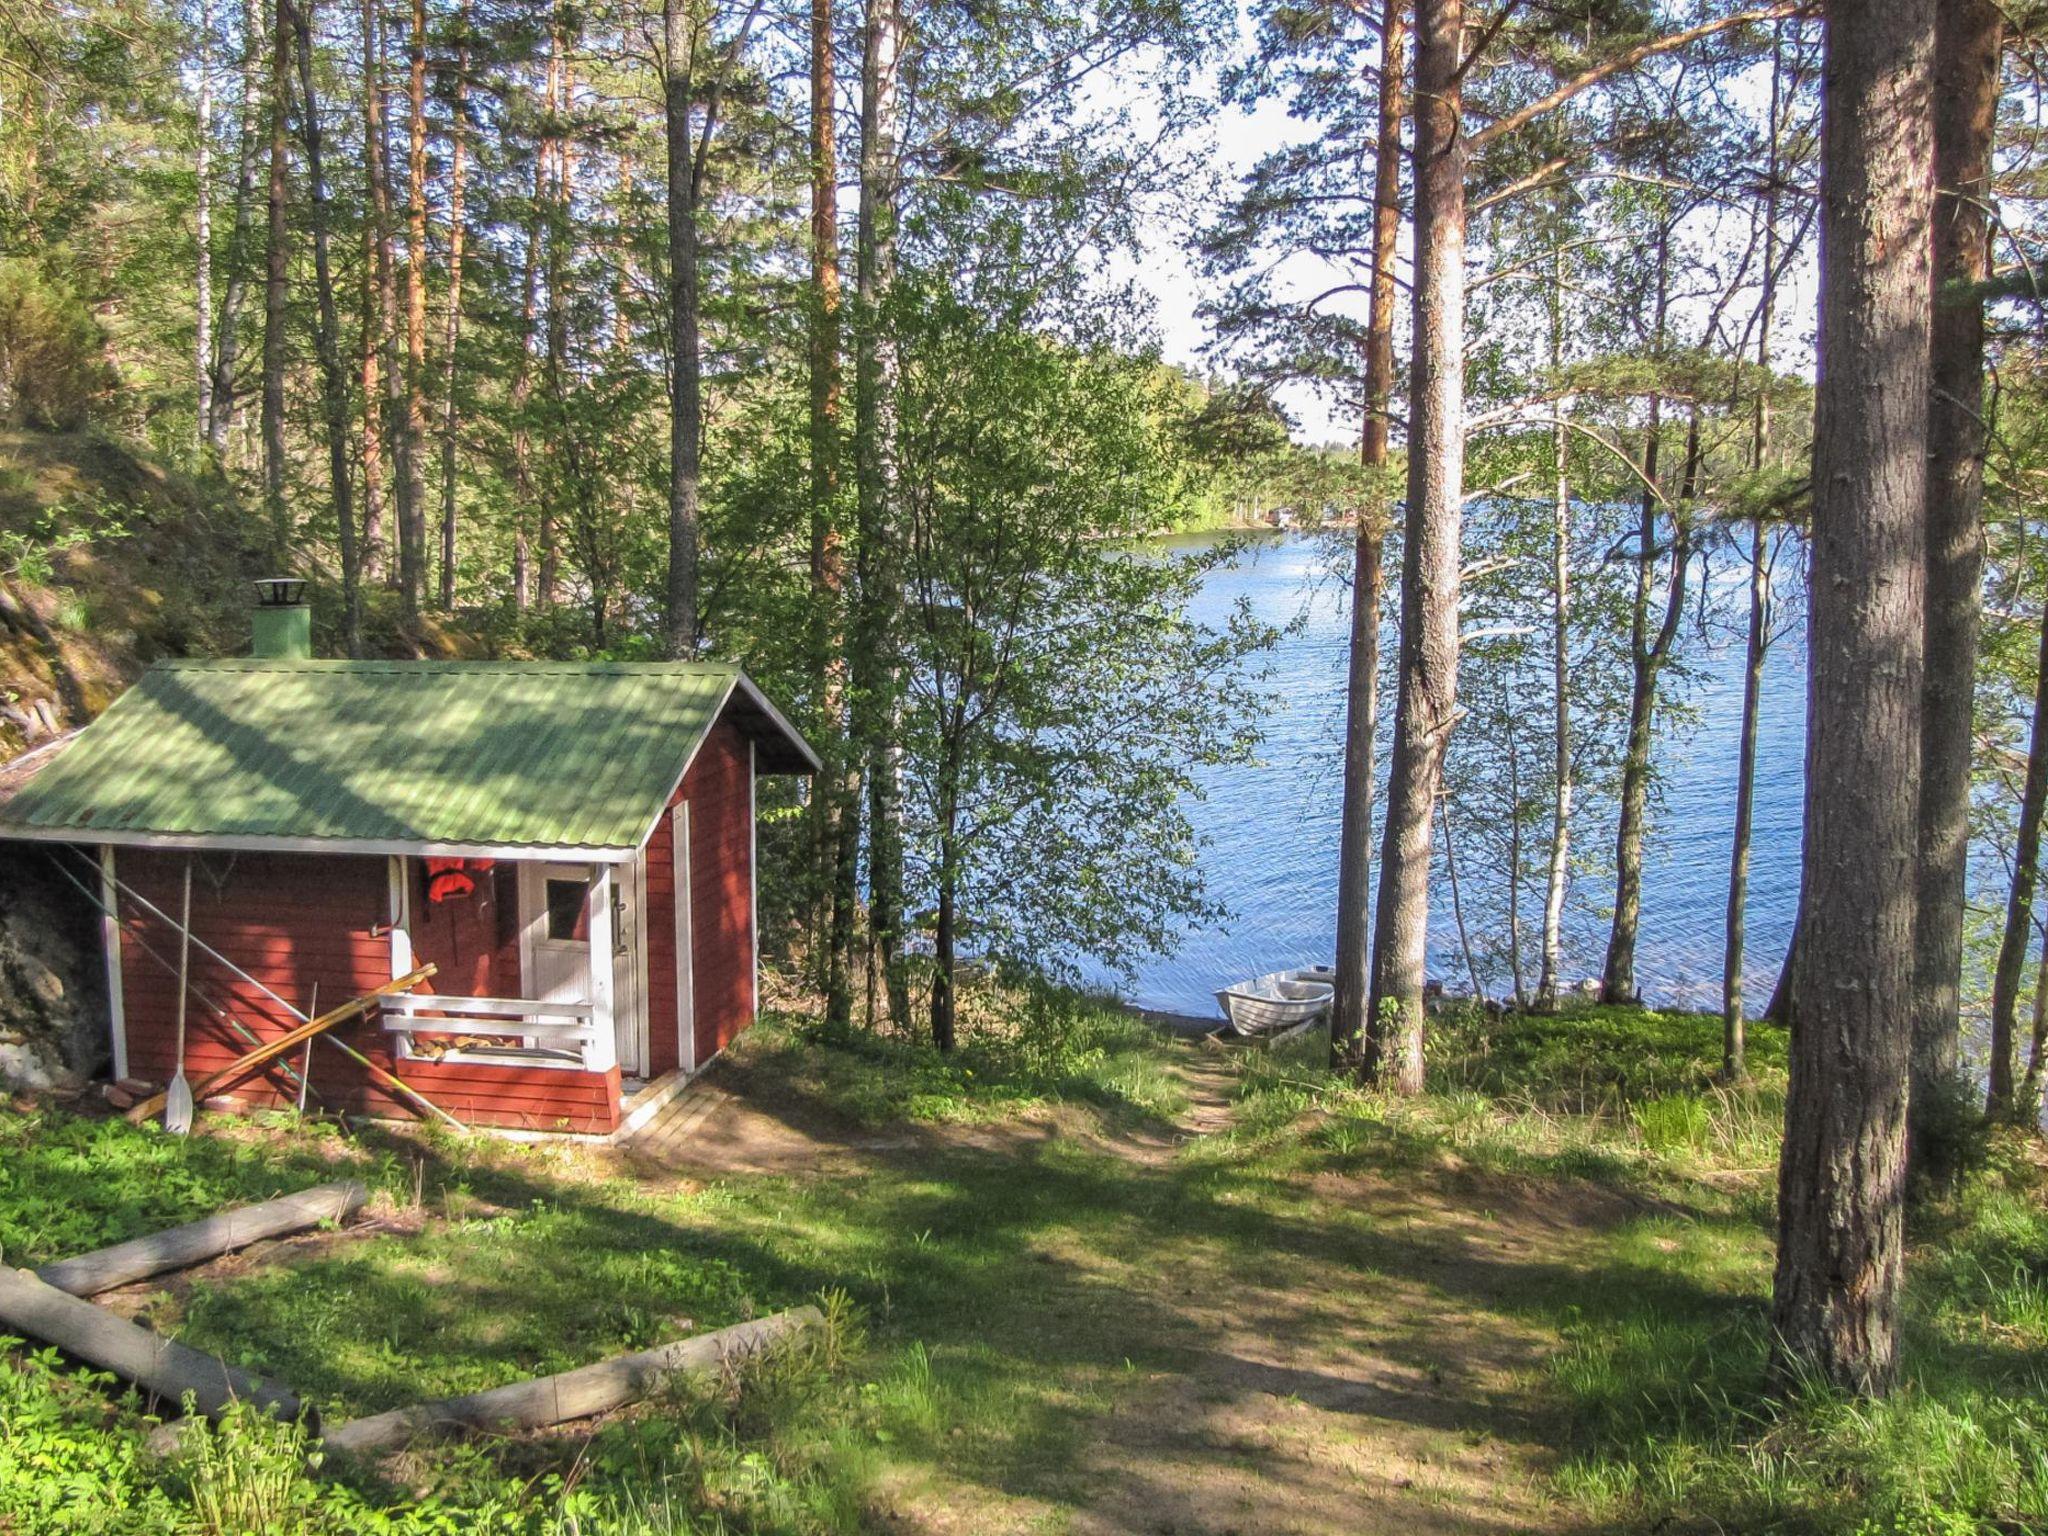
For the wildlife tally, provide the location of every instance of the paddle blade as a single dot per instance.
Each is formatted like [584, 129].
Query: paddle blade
[178, 1106]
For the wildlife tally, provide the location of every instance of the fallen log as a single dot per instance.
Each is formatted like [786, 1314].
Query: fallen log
[576, 1394]
[198, 1241]
[161, 1367]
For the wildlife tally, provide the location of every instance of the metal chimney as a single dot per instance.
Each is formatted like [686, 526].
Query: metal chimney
[281, 624]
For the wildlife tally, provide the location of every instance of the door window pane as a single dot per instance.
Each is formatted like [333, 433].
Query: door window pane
[567, 914]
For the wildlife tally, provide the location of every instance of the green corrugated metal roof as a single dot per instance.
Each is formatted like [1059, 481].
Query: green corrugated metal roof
[468, 754]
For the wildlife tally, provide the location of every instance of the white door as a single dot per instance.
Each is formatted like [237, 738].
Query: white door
[554, 918]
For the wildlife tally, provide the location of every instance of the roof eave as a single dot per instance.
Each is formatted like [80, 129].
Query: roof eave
[256, 843]
[781, 723]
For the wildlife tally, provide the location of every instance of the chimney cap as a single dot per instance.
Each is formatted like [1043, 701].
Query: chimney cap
[280, 591]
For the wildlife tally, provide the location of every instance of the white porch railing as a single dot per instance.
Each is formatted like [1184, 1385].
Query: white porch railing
[559, 1034]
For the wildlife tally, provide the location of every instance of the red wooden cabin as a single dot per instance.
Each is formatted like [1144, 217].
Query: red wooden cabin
[570, 844]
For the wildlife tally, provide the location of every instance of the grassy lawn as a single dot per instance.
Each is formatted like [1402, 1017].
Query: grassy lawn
[1539, 1292]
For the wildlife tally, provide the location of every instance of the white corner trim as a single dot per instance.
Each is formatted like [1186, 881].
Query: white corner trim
[110, 943]
[686, 971]
[602, 1053]
[753, 885]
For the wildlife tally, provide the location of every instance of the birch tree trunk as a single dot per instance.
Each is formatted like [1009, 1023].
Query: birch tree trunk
[276, 272]
[458, 166]
[686, 399]
[836, 804]
[1426, 707]
[228, 334]
[1548, 977]
[1368, 583]
[876, 371]
[1968, 38]
[1841, 1173]
[327, 332]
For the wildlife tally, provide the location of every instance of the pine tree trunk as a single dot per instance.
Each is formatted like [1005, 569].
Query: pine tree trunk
[412, 544]
[1734, 1028]
[228, 344]
[835, 812]
[458, 165]
[1647, 656]
[1514, 869]
[1967, 58]
[943, 940]
[202, 359]
[1734, 1052]
[1841, 1174]
[876, 701]
[327, 332]
[686, 386]
[1443, 811]
[556, 324]
[2027, 1108]
[404, 476]
[1426, 705]
[276, 267]
[1368, 583]
[2018, 934]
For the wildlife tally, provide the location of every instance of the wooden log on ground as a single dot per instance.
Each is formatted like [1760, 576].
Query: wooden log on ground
[161, 1367]
[198, 1241]
[576, 1394]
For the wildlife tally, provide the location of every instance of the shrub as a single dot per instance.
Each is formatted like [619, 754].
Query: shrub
[53, 366]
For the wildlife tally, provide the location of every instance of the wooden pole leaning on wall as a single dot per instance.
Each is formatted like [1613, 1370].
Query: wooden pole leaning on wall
[161, 1367]
[270, 1050]
[577, 1394]
[197, 1241]
[378, 1074]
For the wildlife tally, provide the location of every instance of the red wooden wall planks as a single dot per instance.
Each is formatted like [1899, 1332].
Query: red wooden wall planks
[295, 921]
[718, 788]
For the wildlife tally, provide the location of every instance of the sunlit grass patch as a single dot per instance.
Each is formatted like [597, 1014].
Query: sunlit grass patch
[1019, 1050]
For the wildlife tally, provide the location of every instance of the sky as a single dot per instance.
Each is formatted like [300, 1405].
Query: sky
[1239, 137]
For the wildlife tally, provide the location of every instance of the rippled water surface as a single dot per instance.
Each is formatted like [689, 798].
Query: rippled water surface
[1272, 825]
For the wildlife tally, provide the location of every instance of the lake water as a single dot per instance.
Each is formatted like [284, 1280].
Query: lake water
[1271, 825]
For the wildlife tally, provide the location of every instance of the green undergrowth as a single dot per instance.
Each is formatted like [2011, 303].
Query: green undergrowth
[1668, 1420]
[998, 1301]
[1018, 1052]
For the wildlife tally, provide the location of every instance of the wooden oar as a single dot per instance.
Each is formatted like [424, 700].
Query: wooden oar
[244, 1064]
[178, 1097]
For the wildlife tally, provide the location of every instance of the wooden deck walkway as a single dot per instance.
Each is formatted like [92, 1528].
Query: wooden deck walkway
[668, 1131]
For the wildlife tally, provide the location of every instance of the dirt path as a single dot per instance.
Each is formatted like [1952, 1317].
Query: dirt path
[1261, 1354]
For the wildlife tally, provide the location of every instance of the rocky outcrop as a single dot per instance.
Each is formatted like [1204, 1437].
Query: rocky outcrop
[53, 997]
